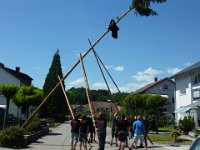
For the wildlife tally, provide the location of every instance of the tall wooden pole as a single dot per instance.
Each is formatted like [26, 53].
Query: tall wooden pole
[57, 85]
[66, 97]
[98, 59]
[87, 89]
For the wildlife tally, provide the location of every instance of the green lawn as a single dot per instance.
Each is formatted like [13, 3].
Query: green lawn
[166, 139]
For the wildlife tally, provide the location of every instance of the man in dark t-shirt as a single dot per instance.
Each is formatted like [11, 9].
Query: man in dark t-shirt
[84, 127]
[122, 128]
[101, 125]
[75, 125]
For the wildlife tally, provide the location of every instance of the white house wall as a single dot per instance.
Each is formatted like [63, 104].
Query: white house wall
[183, 99]
[158, 89]
[6, 78]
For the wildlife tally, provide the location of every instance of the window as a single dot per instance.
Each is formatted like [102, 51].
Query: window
[166, 87]
[183, 89]
[196, 79]
[196, 94]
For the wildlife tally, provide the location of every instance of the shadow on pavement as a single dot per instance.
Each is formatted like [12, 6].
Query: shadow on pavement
[53, 134]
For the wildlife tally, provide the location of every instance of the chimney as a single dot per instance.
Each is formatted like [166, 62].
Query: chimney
[17, 69]
[1, 65]
[155, 79]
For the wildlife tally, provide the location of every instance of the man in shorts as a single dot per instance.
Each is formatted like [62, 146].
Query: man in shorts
[122, 128]
[139, 132]
[75, 125]
[84, 127]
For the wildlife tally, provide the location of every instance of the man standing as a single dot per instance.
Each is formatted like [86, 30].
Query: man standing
[146, 128]
[101, 125]
[122, 128]
[84, 127]
[138, 127]
[75, 125]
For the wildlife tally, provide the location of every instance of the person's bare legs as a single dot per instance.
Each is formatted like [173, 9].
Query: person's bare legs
[81, 145]
[75, 145]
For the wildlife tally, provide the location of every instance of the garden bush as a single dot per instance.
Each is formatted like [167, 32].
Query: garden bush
[187, 124]
[12, 137]
[196, 133]
[152, 123]
[34, 127]
[175, 134]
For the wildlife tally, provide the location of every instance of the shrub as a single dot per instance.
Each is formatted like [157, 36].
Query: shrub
[152, 123]
[34, 127]
[12, 137]
[175, 134]
[196, 133]
[187, 124]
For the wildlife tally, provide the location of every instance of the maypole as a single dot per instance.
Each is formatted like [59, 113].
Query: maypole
[73, 67]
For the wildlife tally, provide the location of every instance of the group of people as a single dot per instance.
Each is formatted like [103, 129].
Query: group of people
[83, 130]
[126, 132]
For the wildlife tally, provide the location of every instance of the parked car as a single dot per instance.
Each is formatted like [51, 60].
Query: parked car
[12, 120]
[196, 144]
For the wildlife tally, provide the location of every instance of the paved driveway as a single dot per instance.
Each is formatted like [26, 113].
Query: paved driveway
[59, 139]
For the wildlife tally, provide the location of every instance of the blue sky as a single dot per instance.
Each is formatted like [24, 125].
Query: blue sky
[147, 47]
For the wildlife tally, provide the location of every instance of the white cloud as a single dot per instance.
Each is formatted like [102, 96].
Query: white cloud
[173, 71]
[147, 75]
[109, 66]
[99, 85]
[119, 68]
[78, 82]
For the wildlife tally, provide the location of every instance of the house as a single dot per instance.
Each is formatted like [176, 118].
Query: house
[105, 106]
[79, 109]
[187, 93]
[10, 76]
[165, 88]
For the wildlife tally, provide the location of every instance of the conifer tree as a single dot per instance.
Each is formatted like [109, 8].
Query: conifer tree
[56, 106]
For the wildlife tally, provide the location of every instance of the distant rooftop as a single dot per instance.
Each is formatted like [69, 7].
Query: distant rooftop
[148, 86]
[188, 69]
[16, 73]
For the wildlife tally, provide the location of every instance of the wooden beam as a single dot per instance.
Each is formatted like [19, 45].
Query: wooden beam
[87, 89]
[66, 97]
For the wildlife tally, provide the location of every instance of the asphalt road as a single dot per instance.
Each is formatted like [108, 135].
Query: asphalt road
[59, 139]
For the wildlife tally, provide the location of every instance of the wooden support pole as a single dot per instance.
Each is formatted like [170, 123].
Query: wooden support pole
[98, 62]
[102, 72]
[67, 74]
[87, 89]
[66, 97]
[97, 56]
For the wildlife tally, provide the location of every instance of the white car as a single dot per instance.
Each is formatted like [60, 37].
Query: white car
[196, 144]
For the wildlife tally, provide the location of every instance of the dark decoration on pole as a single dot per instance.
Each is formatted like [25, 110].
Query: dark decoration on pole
[114, 28]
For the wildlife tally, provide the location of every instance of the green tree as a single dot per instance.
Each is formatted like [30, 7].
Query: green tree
[77, 95]
[27, 96]
[9, 92]
[155, 102]
[143, 7]
[56, 106]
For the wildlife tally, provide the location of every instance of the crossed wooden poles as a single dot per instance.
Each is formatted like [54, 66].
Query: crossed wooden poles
[67, 74]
